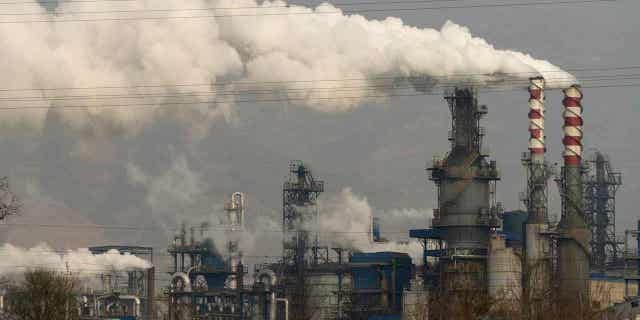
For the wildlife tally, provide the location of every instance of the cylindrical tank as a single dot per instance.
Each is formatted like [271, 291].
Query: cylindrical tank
[504, 270]
[322, 300]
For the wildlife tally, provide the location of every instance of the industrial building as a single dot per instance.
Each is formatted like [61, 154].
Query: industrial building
[478, 259]
[473, 249]
[121, 295]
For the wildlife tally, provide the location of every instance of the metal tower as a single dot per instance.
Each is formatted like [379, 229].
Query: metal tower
[234, 224]
[466, 197]
[299, 212]
[601, 182]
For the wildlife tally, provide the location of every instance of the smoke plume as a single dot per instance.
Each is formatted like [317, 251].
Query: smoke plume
[345, 220]
[206, 64]
[80, 262]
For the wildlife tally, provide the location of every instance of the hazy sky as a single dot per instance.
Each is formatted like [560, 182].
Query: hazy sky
[159, 176]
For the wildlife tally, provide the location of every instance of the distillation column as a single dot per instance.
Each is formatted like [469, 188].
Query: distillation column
[235, 210]
[537, 269]
[573, 245]
[466, 186]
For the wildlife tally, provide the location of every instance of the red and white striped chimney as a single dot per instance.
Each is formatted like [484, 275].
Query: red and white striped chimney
[536, 119]
[572, 126]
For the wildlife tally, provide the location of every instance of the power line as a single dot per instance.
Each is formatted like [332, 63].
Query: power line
[273, 100]
[409, 78]
[291, 6]
[315, 90]
[39, 2]
[199, 228]
[407, 10]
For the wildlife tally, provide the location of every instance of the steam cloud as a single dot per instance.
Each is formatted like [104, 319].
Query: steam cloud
[80, 262]
[345, 220]
[228, 54]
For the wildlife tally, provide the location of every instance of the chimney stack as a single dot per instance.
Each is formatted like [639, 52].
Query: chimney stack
[573, 246]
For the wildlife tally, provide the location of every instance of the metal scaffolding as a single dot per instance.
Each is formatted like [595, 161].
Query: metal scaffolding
[601, 182]
[299, 211]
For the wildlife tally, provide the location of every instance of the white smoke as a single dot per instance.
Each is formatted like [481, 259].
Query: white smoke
[345, 220]
[225, 55]
[80, 262]
[177, 188]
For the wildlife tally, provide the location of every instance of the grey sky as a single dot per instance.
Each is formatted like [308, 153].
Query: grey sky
[379, 151]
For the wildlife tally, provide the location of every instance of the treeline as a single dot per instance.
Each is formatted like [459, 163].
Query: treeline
[42, 295]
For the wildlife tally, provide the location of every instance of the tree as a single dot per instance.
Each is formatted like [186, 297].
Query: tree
[9, 203]
[44, 295]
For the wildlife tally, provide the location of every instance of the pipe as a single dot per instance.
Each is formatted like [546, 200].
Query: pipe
[638, 256]
[286, 307]
[269, 279]
[185, 279]
[151, 288]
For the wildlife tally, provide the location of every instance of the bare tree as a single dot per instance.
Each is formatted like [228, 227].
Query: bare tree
[9, 203]
[44, 295]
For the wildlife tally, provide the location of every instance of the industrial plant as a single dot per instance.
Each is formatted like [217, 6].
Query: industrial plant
[478, 261]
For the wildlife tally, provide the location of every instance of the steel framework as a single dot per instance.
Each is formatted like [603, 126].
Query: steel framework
[299, 211]
[601, 182]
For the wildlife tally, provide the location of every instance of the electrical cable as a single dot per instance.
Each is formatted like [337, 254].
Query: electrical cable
[273, 100]
[265, 91]
[307, 13]
[409, 78]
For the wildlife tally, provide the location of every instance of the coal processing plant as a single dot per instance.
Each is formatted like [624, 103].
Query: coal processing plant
[478, 259]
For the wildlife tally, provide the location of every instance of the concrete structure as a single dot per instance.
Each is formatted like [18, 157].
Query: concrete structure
[573, 244]
[504, 270]
[466, 187]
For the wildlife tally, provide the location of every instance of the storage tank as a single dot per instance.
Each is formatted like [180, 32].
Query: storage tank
[504, 270]
[325, 294]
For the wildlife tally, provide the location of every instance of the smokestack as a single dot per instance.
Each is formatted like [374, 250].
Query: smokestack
[573, 248]
[536, 119]
[572, 126]
[536, 244]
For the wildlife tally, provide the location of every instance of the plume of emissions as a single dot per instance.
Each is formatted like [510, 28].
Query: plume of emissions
[172, 191]
[80, 262]
[345, 220]
[231, 52]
